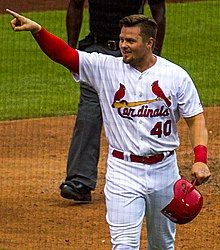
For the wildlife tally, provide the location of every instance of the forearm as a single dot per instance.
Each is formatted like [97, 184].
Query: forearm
[198, 131]
[57, 50]
[199, 140]
[198, 137]
[74, 19]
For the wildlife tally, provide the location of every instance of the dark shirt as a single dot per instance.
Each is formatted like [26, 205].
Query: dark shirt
[106, 14]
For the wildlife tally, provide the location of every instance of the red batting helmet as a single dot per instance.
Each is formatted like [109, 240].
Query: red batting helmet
[186, 203]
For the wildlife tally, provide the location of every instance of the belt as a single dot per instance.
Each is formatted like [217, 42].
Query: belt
[110, 44]
[152, 159]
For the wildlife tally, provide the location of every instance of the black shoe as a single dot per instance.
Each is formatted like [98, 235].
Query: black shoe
[76, 191]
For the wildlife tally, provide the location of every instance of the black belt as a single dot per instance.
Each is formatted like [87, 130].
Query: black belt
[152, 159]
[110, 44]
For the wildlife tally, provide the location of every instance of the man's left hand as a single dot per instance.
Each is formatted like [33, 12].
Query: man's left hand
[201, 172]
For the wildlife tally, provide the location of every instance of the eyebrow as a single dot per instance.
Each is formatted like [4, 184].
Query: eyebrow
[127, 38]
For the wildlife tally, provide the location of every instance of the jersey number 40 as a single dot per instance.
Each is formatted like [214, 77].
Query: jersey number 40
[160, 129]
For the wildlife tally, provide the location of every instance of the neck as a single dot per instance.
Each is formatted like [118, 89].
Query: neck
[145, 64]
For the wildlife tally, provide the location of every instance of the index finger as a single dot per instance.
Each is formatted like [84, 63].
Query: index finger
[13, 13]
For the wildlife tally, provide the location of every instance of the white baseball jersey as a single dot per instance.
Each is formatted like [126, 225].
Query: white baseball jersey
[140, 112]
[140, 109]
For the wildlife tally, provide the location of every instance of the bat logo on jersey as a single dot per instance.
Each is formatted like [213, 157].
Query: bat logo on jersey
[144, 111]
[123, 103]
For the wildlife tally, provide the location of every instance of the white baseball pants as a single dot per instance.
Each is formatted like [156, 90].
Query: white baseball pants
[135, 190]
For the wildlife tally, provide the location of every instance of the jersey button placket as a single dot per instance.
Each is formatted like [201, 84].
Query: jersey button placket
[139, 97]
[140, 137]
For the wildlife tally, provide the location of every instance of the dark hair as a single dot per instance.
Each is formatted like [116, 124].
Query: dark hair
[148, 26]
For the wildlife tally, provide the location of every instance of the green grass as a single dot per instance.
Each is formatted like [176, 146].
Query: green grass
[33, 86]
[30, 84]
[192, 41]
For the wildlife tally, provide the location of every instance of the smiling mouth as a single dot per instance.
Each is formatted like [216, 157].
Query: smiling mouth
[126, 52]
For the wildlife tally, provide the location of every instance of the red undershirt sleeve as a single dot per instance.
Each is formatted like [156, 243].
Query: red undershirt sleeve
[57, 50]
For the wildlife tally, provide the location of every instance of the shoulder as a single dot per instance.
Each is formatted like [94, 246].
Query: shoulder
[171, 67]
[98, 55]
[98, 58]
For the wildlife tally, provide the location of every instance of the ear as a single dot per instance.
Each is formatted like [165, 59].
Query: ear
[150, 43]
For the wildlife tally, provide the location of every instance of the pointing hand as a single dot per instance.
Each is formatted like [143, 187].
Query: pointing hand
[21, 23]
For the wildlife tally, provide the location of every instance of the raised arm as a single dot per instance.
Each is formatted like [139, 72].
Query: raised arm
[199, 140]
[74, 19]
[55, 48]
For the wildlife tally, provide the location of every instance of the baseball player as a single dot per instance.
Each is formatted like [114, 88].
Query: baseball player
[142, 97]
[103, 37]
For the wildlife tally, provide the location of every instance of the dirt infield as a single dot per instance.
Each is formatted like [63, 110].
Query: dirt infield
[34, 216]
[33, 162]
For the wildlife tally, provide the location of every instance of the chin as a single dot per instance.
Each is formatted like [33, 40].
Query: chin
[126, 60]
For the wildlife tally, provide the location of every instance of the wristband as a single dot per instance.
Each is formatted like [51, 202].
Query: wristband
[200, 152]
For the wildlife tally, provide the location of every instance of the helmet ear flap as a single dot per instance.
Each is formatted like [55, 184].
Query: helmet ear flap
[186, 203]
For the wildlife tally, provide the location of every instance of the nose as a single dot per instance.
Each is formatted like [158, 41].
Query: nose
[123, 44]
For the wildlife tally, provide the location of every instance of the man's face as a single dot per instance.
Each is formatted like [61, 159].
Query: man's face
[133, 49]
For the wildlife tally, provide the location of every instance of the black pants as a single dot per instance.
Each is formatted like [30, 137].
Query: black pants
[85, 144]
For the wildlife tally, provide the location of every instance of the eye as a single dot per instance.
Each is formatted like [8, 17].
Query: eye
[130, 40]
